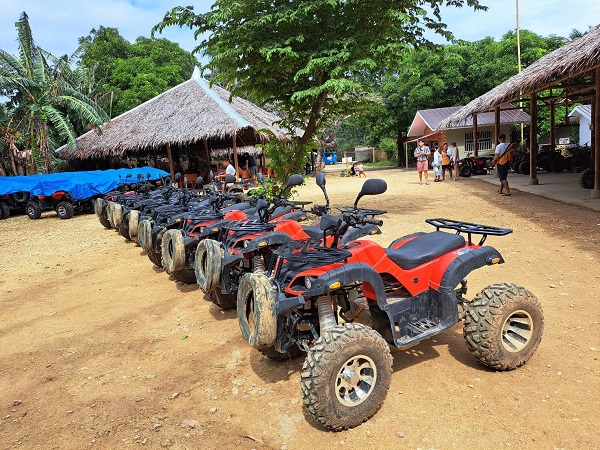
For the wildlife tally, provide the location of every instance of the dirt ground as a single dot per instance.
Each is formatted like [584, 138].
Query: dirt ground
[100, 349]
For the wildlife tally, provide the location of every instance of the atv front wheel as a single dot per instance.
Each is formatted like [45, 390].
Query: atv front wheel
[33, 210]
[465, 171]
[99, 209]
[134, 218]
[154, 257]
[4, 211]
[186, 276]
[503, 326]
[209, 259]
[346, 376]
[145, 235]
[65, 210]
[117, 215]
[256, 310]
[173, 251]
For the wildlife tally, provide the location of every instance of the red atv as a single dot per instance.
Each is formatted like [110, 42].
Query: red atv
[61, 201]
[344, 305]
[243, 247]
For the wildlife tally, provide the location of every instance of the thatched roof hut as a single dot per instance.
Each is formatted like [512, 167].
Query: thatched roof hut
[188, 113]
[574, 59]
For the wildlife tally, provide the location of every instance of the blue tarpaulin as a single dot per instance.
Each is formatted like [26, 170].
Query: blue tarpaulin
[80, 185]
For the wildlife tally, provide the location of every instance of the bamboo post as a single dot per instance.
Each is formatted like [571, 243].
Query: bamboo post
[552, 120]
[533, 141]
[235, 157]
[170, 156]
[496, 123]
[207, 156]
[596, 130]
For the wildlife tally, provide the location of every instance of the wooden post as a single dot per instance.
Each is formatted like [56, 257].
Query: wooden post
[497, 124]
[170, 156]
[552, 116]
[533, 150]
[475, 143]
[235, 157]
[406, 155]
[154, 157]
[207, 156]
[596, 130]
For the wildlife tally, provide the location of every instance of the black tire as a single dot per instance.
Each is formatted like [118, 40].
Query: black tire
[515, 166]
[134, 218]
[222, 300]
[123, 231]
[99, 208]
[65, 210]
[186, 276]
[173, 251]
[586, 179]
[256, 310]
[4, 211]
[558, 164]
[503, 326]
[154, 257]
[335, 400]
[524, 167]
[209, 260]
[33, 210]
[145, 235]
[20, 197]
[465, 171]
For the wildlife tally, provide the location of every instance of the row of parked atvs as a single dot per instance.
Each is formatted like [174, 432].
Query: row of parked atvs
[318, 288]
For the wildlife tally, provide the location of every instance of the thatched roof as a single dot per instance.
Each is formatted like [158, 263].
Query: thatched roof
[185, 114]
[573, 59]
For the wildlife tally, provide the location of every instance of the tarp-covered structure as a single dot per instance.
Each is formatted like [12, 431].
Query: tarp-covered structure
[80, 185]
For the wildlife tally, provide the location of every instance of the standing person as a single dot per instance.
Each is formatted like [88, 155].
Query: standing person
[455, 159]
[502, 159]
[437, 165]
[446, 161]
[251, 166]
[422, 153]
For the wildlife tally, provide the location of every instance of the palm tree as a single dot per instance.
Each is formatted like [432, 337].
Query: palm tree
[43, 101]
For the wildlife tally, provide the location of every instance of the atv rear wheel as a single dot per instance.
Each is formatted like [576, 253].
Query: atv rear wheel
[4, 211]
[209, 260]
[524, 167]
[346, 376]
[173, 251]
[222, 300]
[65, 210]
[186, 276]
[465, 171]
[503, 326]
[586, 179]
[33, 210]
[154, 257]
[145, 235]
[257, 315]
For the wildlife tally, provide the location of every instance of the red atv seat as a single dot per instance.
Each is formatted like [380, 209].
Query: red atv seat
[424, 248]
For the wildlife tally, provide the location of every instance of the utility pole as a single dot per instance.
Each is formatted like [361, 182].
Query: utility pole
[519, 60]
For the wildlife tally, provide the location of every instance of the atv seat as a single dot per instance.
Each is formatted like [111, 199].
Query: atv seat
[314, 231]
[424, 248]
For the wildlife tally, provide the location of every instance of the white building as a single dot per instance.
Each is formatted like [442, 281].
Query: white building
[583, 115]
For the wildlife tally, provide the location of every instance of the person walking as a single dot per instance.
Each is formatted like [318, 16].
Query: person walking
[455, 158]
[422, 153]
[502, 156]
[361, 170]
[437, 165]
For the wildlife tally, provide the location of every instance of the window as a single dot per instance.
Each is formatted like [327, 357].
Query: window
[484, 141]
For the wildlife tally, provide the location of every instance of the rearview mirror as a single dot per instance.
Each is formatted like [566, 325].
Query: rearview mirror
[321, 180]
[295, 180]
[372, 186]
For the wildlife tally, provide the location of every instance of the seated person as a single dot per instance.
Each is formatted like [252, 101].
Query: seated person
[229, 170]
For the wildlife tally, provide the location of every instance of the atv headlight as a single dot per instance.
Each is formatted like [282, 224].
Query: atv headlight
[308, 281]
[246, 242]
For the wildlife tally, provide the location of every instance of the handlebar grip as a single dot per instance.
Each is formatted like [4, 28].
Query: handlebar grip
[372, 222]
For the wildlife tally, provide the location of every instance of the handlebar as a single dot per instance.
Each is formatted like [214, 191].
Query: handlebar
[376, 222]
[360, 211]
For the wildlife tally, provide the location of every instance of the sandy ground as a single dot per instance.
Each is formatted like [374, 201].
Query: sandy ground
[100, 349]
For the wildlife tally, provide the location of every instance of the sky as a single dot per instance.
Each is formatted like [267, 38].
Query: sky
[57, 25]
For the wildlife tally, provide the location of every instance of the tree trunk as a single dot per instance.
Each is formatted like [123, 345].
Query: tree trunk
[315, 113]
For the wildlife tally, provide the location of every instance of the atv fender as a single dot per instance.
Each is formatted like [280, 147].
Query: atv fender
[349, 274]
[298, 216]
[266, 240]
[359, 231]
[467, 261]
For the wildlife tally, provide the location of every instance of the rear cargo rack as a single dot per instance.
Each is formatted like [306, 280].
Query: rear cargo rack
[468, 228]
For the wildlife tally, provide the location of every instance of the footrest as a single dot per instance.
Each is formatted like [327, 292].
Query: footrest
[422, 326]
